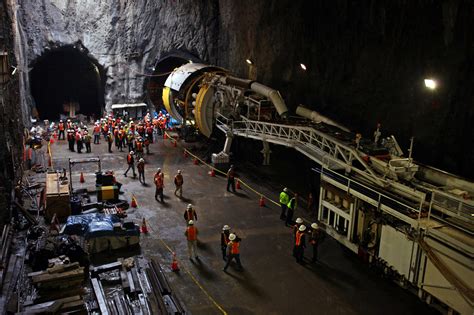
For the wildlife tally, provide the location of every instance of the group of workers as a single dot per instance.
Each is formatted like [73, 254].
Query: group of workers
[138, 136]
[288, 206]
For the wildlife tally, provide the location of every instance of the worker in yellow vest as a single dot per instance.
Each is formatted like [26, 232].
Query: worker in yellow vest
[284, 199]
[191, 235]
[291, 209]
[233, 248]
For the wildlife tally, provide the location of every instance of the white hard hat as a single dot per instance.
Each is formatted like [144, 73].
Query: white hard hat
[191, 222]
[226, 228]
[232, 236]
[132, 153]
[158, 170]
[189, 206]
[141, 160]
[179, 171]
[314, 226]
[302, 228]
[285, 189]
[299, 220]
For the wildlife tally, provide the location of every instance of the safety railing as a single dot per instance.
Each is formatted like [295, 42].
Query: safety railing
[324, 148]
[452, 206]
[378, 198]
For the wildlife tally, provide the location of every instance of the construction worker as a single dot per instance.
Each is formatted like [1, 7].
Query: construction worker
[159, 184]
[297, 225]
[291, 210]
[233, 250]
[178, 182]
[96, 133]
[79, 141]
[191, 235]
[110, 141]
[87, 141]
[130, 138]
[139, 147]
[61, 130]
[190, 213]
[121, 140]
[71, 139]
[131, 164]
[284, 199]
[300, 244]
[147, 144]
[225, 240]
[141, 170]
[314, 240]
[231, 178]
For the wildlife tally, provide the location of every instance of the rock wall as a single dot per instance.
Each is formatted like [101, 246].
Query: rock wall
[366, 59]
[124, 37]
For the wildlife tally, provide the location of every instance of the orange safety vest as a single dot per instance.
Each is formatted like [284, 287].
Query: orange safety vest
[158, 181]
[129, 159]
[234, 247]
[61, 126]
[298, 238]
[139, 147]
[191, 233]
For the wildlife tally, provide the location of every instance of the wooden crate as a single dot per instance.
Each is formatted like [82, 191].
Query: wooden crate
[57, 198]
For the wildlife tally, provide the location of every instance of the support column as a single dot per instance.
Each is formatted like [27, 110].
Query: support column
[266, 153]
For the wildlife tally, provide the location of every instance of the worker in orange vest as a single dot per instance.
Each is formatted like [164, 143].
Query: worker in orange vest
[131, 164]
[61, 130]
[87, 141]
[121, 141]
[96, 132]
[191, 235]
[147, 144]
[225, 240]
[159, 184]
[231, 178]
[178, 182]
[139, 147]
[297, 225]
[233, 249]
[300, 244]
[190, 213]
[141, 170]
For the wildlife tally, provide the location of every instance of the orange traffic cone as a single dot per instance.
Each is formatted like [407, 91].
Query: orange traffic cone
[143, 228]
[134, 202]
[55, 135]
[174, 264]
[261, 203]
[175, 143]
[196, 161]
[185, 154]
[82, 178]
[51, 140]
[212, 173]
[237, 185]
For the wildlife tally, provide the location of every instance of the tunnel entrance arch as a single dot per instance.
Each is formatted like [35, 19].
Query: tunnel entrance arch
[67, 81]
[161, 70]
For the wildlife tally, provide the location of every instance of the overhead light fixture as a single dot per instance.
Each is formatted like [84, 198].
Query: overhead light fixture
[430, 84]
[14, 70]
[248, 61]
[303, 66]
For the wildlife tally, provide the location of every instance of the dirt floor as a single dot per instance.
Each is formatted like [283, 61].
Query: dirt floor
[272, 282]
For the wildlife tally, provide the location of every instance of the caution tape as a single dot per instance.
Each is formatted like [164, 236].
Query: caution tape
[50, 154]
[208, 295]
[223, 173]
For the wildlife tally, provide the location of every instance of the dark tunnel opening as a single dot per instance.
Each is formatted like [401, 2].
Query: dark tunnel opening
[162, 69]
[66, 81]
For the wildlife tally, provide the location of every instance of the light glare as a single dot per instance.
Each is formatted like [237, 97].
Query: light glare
[303, 66]
[248, 61]
[430, 84]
